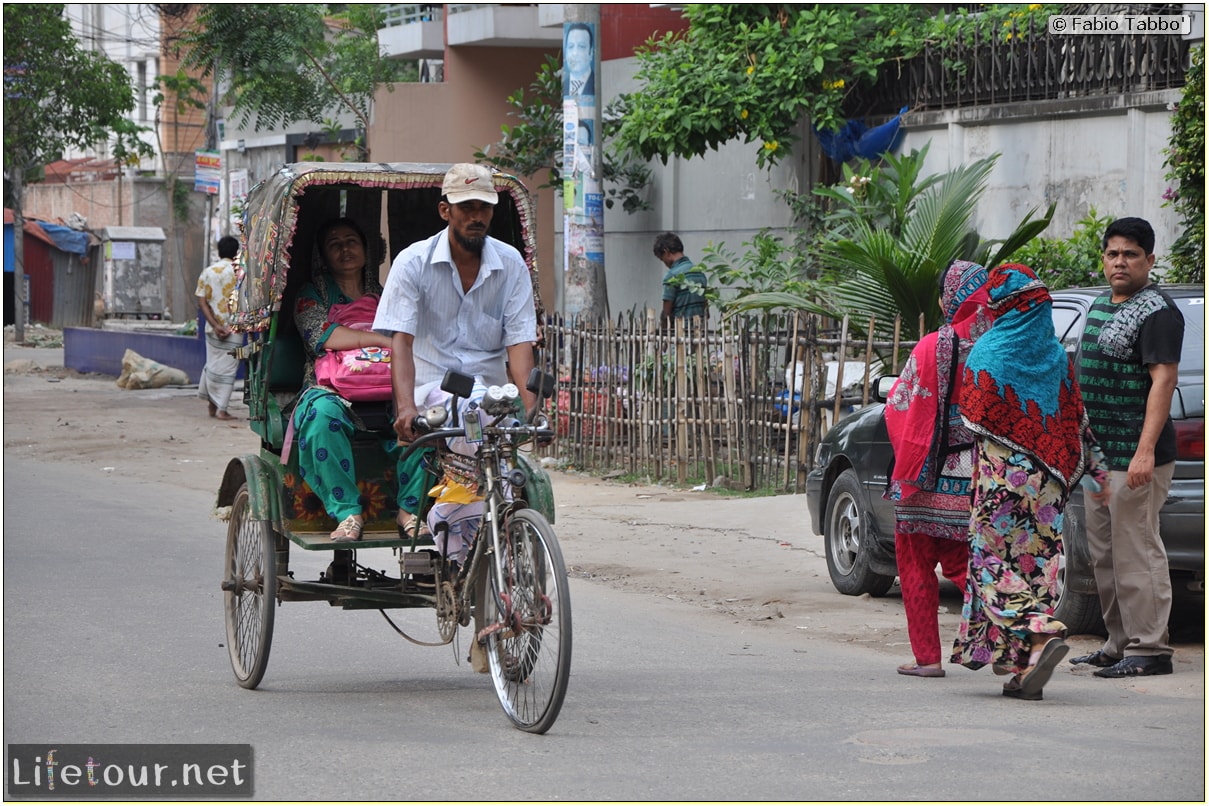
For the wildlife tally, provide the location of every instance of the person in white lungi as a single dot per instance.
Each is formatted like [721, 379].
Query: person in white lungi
[215, 287]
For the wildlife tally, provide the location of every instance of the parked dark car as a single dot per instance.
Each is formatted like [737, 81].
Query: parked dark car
[844, 491]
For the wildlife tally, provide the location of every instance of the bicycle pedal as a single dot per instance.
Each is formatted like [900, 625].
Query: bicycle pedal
[418, 563]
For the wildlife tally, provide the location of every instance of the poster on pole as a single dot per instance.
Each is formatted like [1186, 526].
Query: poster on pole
[570, 125]
[237, 193]
[583, 199]
[207, 172]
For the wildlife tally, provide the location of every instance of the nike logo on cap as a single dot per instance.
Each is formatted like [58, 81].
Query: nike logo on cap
[472, 180]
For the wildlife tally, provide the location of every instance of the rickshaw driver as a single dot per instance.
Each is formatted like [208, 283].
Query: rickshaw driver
[459, 300]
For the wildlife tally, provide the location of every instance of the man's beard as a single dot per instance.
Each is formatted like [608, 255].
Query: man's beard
[471, 243]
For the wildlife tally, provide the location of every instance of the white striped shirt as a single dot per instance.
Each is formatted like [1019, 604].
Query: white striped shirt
[468, 332]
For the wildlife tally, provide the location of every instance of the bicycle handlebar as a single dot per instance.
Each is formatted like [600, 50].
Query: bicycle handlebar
[532, 431]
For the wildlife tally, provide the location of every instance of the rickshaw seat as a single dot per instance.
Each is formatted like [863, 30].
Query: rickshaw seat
[288, 362]
[287, 367]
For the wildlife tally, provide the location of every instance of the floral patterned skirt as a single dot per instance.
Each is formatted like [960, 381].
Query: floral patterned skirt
[1015, 549]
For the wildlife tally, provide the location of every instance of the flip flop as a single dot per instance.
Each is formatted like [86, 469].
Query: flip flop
[1031, 683]
[1013, 689]
[915, 670]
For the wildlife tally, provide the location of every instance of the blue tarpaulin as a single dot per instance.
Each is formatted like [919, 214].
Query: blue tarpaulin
[66, 238]
[855, 139]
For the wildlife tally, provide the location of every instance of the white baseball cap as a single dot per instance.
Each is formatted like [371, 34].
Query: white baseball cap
[468, 182]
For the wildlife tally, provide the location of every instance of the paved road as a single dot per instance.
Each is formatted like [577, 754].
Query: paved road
[113, 634]
[712, 659]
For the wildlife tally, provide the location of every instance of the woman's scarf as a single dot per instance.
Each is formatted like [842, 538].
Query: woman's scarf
[1020, 387]
[915, 412]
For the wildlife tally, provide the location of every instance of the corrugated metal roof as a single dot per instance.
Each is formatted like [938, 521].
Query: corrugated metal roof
[132, 234]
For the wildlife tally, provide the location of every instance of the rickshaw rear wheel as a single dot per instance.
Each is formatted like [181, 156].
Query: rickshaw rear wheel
[249, 591]
[526, 623]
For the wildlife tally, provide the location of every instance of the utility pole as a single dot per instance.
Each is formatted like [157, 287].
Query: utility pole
[584, 291]
[20, 295]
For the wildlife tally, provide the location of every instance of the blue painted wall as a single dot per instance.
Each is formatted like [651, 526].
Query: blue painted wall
[91, 350]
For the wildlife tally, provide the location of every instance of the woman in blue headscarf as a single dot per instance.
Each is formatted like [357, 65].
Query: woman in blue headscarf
[933, 461]
[1021, 399]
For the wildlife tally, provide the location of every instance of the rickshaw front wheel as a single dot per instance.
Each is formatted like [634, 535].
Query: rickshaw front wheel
[525, 624]
[249, 591]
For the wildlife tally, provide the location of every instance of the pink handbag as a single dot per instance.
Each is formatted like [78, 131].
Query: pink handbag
[360, 374]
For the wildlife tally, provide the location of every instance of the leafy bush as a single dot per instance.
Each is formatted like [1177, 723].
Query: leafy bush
[1072, 262]
[1186, 161]
[768, 268]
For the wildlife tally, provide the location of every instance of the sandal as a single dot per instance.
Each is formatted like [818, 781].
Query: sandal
[915, 670]
[407, 524]
[1042, 662]
[349, 531]
[1016, 691]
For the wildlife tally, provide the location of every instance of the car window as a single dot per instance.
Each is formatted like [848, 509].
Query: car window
[1066, 326]
[1192, 359]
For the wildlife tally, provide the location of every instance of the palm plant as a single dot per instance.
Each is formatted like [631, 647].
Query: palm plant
[888, 238]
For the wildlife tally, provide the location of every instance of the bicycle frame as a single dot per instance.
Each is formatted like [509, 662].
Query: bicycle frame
[498, 442]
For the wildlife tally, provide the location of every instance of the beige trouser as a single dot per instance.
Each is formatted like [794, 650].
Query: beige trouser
[1130, 564]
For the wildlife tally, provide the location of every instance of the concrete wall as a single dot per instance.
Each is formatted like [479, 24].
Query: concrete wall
[720, 198]
[1104, 152]
[448, 122]
[140, 202]
[101, 351]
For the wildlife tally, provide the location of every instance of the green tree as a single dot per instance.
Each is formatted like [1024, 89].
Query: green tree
[294, 62]
[534, 145]
[756, 71]
[889, 236]
[57, 96]
[1186, 164]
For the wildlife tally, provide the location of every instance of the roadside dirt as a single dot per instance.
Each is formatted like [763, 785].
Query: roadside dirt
[753, 561]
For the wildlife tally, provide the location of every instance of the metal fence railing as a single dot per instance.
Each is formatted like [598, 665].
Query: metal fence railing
[1032, 66]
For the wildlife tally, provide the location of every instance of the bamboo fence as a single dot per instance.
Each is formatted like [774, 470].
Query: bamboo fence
[740, 403]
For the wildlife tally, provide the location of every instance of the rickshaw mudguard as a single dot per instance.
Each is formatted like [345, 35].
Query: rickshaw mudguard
[264, 498]
[539, 492]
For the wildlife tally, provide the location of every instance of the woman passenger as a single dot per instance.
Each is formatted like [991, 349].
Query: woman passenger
[323, 420]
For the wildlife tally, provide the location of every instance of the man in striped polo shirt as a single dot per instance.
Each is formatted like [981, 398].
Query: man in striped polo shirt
[1128, 371]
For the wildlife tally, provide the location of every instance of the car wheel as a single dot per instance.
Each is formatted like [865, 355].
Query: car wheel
[1075, 607]
[1080, 612]
[847, 541]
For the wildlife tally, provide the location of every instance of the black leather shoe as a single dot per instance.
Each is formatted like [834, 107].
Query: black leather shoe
[1138, 665]
[1097, 658]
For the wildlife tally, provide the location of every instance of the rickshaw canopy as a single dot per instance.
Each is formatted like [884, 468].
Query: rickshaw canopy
[283, 211]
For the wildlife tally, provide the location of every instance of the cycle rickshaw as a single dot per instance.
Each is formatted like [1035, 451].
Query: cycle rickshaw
[512, 584]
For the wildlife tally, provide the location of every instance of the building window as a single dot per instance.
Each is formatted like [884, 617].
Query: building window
[140, 88]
